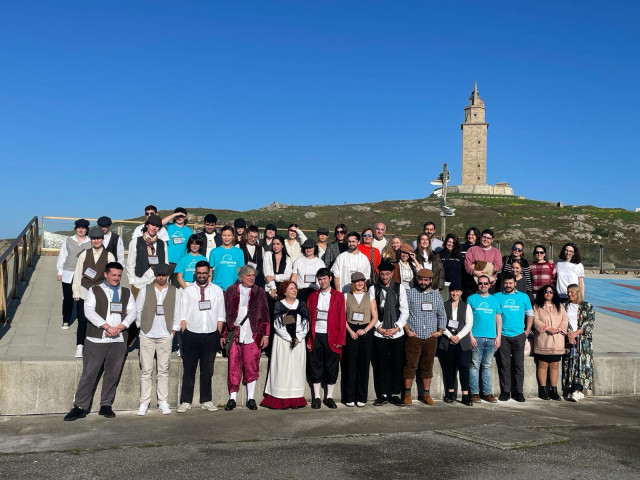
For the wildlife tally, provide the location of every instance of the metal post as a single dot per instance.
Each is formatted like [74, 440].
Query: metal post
[3, 291]
[601, 258]
[16, 266]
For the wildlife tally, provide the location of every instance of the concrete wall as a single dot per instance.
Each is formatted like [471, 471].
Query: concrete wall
[37, 387]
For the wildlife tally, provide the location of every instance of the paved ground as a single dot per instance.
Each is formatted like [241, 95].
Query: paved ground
[598, 438]
[35, 332]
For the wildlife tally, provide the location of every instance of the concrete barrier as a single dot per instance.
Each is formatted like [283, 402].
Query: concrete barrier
[39, 387]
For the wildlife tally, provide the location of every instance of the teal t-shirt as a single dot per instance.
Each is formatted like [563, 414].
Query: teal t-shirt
[178, 241]
[187, 266]
[513, 306]
[484, 315]
[225, 263]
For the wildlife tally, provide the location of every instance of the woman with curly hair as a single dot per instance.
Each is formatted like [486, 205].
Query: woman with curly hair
[577, 362]
[569, 270]
[287, 369]
[391, 252]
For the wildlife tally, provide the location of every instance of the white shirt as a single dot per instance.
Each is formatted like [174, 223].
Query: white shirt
[568, 273]
[348, 263]
[301, 330]
[468, 322]
[67, 275]
[245, 335]
[380, 244]
[113, 319]
[267, 268]
[78, 290]
[211, 242]
[572, 315]
[159, 327]
[162, 233]
[404, 312]
[149, 276]
[293, 249]
[324, 300]
[119, 246]
[305, 268]
[201, 321]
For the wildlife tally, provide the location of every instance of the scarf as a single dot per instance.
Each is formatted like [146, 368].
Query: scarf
[150, 240]
[389, 311]
[283, 264]
[116, 296]
[280, 310]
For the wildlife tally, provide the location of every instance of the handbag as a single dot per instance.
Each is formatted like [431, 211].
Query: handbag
[231, 334]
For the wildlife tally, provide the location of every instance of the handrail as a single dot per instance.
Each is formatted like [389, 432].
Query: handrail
[20, 263]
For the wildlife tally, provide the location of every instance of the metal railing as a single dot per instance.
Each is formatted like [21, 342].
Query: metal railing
[14, 262]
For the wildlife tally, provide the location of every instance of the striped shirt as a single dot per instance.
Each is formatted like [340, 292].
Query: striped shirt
[426, 312]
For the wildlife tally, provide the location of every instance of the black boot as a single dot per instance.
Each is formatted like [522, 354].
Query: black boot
[553, 393]
[542, 393]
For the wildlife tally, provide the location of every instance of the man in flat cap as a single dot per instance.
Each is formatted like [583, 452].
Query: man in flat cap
[427, 320]
[145, 252]
[112, 241]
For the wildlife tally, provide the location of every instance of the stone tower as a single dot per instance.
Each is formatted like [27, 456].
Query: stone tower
[474, 141]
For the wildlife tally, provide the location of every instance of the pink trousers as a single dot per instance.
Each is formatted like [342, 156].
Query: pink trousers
[244, 361]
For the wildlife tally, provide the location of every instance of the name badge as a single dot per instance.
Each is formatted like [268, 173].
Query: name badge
[309, 279]
[204, 305]
[90, 273]
[153, 260]
[453, 324]
[177, 240]
[288, 320]
[116, 307]
[159, 309]
[322, 315]
[251, 264]
[427, 306]
[357, 317]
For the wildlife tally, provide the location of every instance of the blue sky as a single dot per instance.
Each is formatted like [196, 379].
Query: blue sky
[107, 106]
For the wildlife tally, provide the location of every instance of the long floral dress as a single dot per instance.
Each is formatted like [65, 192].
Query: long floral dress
[577, 362]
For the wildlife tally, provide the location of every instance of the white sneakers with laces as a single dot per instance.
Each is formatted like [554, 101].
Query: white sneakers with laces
[79, 351]
[163, 408]
[142, 409]
[184, 407]
[209, 406]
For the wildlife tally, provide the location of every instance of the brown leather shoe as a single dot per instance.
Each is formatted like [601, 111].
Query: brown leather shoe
[426, 398]
[489, 398]
[475, 398]
[407, 400]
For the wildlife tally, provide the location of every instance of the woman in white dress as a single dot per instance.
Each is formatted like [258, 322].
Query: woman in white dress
[287, 370]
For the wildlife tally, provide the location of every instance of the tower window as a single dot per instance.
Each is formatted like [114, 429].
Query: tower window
[478, 165]
[478, 142]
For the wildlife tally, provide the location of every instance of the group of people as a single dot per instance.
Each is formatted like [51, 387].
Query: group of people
[320, 307]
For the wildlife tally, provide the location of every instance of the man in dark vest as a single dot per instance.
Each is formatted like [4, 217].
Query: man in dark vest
[388, 340]
[253, 253]
[110, 309]
[156, 306]
[210, 237]
[247, 314]
[112, 241]
[145, 252]
[90, 268]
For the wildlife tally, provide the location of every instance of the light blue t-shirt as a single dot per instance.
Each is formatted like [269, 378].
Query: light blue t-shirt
[178, 237]
[514, 307]
[225, 263]
[187, 266]
[484, 315]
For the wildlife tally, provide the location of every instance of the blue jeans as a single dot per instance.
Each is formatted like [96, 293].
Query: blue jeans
[481, 356]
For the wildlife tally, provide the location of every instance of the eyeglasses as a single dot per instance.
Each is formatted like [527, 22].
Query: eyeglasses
[569, 251]
[483, 283]
[484, 237]
[368, 235]
[548, 292]
[149, 213]
[515, 249]
[539, 253]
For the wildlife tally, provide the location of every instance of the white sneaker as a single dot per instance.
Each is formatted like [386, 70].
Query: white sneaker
[360, 404]
[577, 396]
[209, 406]
[164, 408]
[184, 407]
[350, 404]
[142, 409]
[79, 350]
[65, 326]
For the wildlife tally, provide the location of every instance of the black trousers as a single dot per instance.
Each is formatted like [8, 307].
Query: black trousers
[67, 302]
[511, 352]
[357, 359]
[387, 361]
[81, 333]
[454, 357]
[323, 362]
[198, 348]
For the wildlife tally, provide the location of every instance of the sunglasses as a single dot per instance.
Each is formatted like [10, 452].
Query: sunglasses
[340, 231]
[516, 249]
[483, 283]
[539, 253]
[149, 213]
[550, 292]
[367, 235]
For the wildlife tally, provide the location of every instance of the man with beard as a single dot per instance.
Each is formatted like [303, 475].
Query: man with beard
[388, 340]
[351, 261]
[515, 307]
[248, 318]
[427, 320]
[202, 315]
